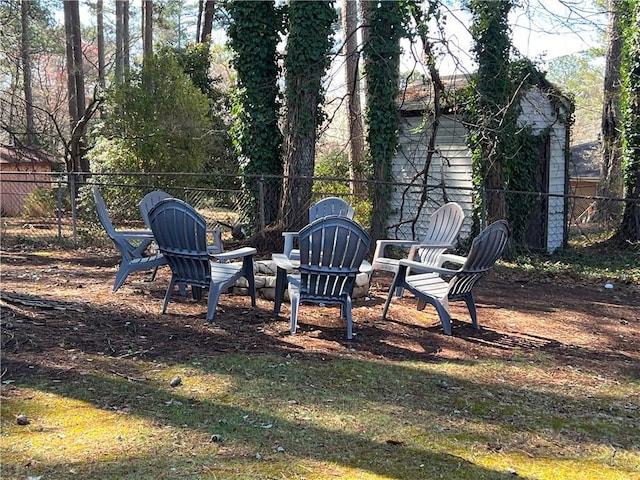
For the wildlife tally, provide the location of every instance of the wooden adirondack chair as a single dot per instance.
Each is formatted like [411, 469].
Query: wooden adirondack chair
[332, 249]
[132, 245]
[427, 284]
[181, 235]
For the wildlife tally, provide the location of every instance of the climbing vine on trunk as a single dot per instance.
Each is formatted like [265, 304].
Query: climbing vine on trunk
[254, 34]
[630, 227]
[382, 55]
[308, 46]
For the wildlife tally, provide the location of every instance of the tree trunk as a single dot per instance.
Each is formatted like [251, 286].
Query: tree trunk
[101, 55]
[125, 36]
[299, 154]
[75, 83]
[356, 130]
[119, 67]
[199, 20]
[611, 184]
[630, 227]
[308, 47]
[365, 22]
[147, 29]
[207, 25]
[26, 73]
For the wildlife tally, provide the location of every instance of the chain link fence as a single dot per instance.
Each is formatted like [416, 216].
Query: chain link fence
[39, 211]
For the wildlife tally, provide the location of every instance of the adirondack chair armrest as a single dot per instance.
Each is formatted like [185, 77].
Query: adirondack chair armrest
[419, 267]
[135, 234]
[451, 258]
[382, 244]
[283, 262]
[237, 253]
[414, 248]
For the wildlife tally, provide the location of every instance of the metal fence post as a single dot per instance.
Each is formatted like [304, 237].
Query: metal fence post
[60, 208]
[74, 217]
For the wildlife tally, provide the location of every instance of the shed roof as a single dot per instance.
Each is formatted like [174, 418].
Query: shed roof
[11, 154]
[417, 96]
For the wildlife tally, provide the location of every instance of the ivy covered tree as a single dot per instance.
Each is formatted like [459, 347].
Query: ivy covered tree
[307, 58]
[254, 34]
[491, 34]
[382, 64]
[630, 227]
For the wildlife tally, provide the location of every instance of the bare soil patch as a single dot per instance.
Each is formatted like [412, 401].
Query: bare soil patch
[57, 307]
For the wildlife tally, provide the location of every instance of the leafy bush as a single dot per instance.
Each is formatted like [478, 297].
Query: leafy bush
[43, 202]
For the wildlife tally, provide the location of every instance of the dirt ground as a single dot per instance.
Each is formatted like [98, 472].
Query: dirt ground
[57, 307]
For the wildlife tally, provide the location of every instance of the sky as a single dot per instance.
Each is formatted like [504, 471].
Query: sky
[542, 30]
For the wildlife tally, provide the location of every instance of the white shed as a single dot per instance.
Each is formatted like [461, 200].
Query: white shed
[449, 176]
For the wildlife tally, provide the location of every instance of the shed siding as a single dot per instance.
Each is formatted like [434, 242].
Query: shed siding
[450, 174]
[19, 180]
[449, 177]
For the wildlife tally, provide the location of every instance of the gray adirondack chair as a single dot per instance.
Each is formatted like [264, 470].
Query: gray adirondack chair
[332, 249]
[132, 245]
[214, 245]
[148, 202]
[442, 233]
[181, 235]
[326, 206]
[427, 284]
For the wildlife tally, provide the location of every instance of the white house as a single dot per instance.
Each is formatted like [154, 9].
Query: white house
[449, 175]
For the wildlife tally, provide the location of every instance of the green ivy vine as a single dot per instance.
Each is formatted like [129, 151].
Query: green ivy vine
[382, 55]
[630, 108]
[254, 33]
[505, 155]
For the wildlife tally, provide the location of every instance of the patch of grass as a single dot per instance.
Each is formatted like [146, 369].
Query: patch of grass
[592, 259]
[264, 416]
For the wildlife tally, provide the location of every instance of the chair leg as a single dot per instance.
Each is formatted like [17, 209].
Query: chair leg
[471, 306]
[121, 276]
[281, 285]
[445, 317]
[397, 284]
[294, 298]
[247, 272]
[167, 295]
[215, 289]
[347, 310]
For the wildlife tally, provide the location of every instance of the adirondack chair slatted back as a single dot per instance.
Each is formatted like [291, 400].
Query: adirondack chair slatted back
[148, 202]
[332, 249]
[181, 234]
[330, 206]
[444, 225]
[132, 245]
[126, 249]
[485, 250]
[103, 213]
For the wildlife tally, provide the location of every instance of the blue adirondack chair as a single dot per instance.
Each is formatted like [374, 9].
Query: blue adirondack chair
[326, 206]
[181, 235]
[214, 244]
[332, 250]
[427, 284]
[132, 245]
